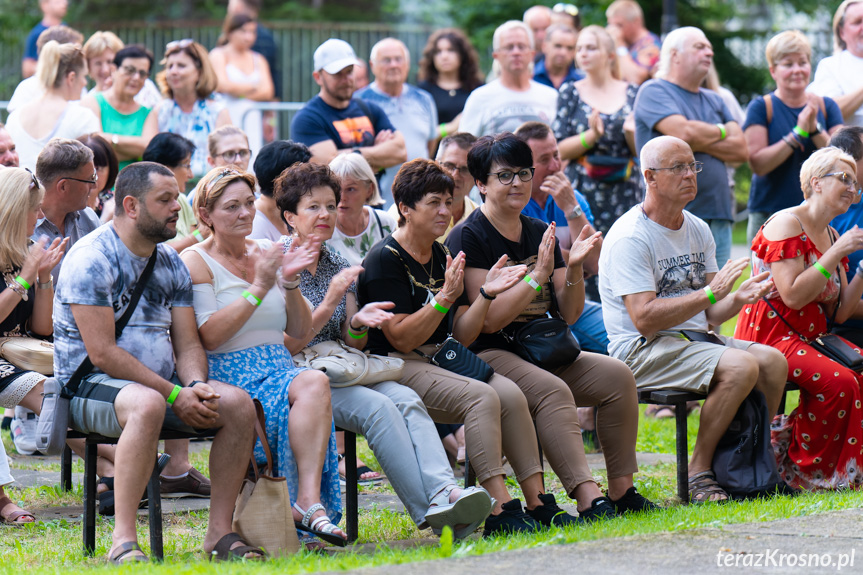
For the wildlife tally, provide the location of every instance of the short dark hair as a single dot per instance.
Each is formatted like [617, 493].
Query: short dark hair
[463, 140]
[418, 178]
[134, 51]
[532, 131]
[504, 149]
[168, 149]
[134, 180]
[299, 180]
[103, 157]
[275, 158]
[848, 139]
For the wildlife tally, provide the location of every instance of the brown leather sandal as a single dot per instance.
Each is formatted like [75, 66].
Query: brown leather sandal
[223, 552]
[13, 515]
[121, 554]
[702, 486]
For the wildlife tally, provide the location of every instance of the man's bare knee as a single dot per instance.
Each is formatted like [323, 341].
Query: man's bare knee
[140, 404]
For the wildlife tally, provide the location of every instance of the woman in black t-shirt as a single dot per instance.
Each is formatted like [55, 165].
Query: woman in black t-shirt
[26, 298]
[502, 168]
[417, 274]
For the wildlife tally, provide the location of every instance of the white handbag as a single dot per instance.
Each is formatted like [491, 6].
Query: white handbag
[346, 366]
[28, 353]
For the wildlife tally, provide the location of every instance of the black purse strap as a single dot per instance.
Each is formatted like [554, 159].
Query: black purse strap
[71, 388]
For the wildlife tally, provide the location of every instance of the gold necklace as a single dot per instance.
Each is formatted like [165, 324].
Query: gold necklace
[242, 270]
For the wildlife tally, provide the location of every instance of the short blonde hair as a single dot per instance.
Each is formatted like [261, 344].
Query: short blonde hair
[21, 193]
[213, 185]
[207, 79]
[626, 9]
[506, 27]
[606, 44]
[356, 167]
[101, 41]
[223, 132]
[786, 43]
[819, 164]
[839, 21]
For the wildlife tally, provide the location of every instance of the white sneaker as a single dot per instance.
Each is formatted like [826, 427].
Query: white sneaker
[24, 431]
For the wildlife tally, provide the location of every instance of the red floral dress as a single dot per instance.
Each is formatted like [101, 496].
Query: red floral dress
[820, 444]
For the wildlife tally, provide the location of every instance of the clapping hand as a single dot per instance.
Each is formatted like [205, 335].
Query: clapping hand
[300, 256]
[41, 260]
[341, 282]
[808, 118]
[594, 122]
[266, 265]
[753, 289]
[724, 279]
[545, 257]
[373, 314]
[453, 284]
[502, 277]
[583, 245]
[849, 242]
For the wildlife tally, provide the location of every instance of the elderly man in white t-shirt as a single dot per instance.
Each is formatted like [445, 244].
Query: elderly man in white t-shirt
[658, 276]
[841, 76]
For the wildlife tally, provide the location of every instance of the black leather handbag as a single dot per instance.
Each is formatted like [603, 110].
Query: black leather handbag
[452, 356]
[546, 342]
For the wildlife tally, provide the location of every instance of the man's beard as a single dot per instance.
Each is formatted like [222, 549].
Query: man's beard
[154, 230]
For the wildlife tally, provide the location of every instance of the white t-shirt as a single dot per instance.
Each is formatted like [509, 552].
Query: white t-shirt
[492, 109]
[638, 255]
[839, 75]
[263, 228]
[355, 248]
[75, 121]
[28, 90]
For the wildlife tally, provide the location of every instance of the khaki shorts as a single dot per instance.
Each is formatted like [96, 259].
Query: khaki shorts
[671, 362]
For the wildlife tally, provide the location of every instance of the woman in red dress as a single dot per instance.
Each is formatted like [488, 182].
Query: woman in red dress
[820, 444]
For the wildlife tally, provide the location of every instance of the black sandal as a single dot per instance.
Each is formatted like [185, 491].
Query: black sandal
[123, 551]
[222, 550]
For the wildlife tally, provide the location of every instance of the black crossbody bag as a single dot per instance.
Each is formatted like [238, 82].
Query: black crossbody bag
[453, 356]
[54, 419]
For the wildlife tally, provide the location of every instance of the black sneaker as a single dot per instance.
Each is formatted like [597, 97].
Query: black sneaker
[600, 508]
[511, 520]
[549, 514]
[633, 501]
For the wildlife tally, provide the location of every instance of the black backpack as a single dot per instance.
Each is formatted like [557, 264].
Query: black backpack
[743, 462]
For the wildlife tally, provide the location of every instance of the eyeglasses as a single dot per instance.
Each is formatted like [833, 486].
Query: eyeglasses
[132, 71]
[394, 60]
[846, 179]
[450, 167]
[514, 47]
[222, 174]
[230, 155]
[680, 169]
[570, 9]
[34, 183]
[178, 45]
[507, 176]
[92, 182]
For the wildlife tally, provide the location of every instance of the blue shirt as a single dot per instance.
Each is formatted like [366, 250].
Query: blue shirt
[843, 223]
[30, 50]
[540, 74]
[552, 213]
[355, 125]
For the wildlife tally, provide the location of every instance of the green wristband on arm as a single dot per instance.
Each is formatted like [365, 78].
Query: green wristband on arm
[174, 393]
[822, 269]
[710, 295]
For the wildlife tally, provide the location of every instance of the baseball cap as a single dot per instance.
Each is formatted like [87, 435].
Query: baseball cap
[334, 55]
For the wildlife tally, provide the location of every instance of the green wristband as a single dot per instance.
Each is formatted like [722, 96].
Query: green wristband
[799, 131]
[251, 298]
[722, 133]
[438, 307]
[710, 295]
[174, 393]
[198, 236]
[816, 265]
[23, 282]
[583, 140]
[363, 334]
[442, 131]
[533, 283]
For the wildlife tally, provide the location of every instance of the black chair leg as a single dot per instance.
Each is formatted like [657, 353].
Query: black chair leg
[90, 455]
[351, 486]
[66, 469]
[469, 475]
[682, 453]
[154, 509]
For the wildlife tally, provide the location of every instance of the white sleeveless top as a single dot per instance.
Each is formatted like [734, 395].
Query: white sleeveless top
[267, 324]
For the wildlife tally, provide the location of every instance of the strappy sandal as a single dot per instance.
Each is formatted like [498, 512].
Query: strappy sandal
[222, 551]
[121, 554]
[12, 517]
[702, 486]
[322, 527]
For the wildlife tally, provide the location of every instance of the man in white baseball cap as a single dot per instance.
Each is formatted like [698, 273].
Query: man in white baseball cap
[334, 122]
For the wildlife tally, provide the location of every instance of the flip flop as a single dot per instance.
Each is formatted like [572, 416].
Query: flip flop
[12, 517]
[322, 527]
[222, 550]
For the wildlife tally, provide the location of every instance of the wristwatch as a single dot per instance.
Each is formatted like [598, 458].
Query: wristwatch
[622, 51]
[115, 139]
[576, 212]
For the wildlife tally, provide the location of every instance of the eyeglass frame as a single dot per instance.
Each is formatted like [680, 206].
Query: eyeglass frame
[514, 174]
[179, 44]
[694, 167]
[34, 182]
[841, 176]
[450, 167]
[92, 182]
[236, 153]
[125, 69]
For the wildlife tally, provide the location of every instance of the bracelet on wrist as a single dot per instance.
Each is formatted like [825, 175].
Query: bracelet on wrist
[45, 285]
[575, 283]
[174, 393]
[483, 293]
[710, 295]
[722, 132]
[22, 282]
[361, 329]
[800, 132]
[533, 283]
[583, 141]
[288, 285]
[194, 382]
[442, 131]
[251, 298]
[822, 269]
[439, 307]
[198, 236]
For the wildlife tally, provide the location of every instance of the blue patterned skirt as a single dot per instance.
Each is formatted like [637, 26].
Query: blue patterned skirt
[266, 372]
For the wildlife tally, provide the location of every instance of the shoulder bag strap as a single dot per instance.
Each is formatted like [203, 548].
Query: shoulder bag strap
[71, 387]
[378, 218]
